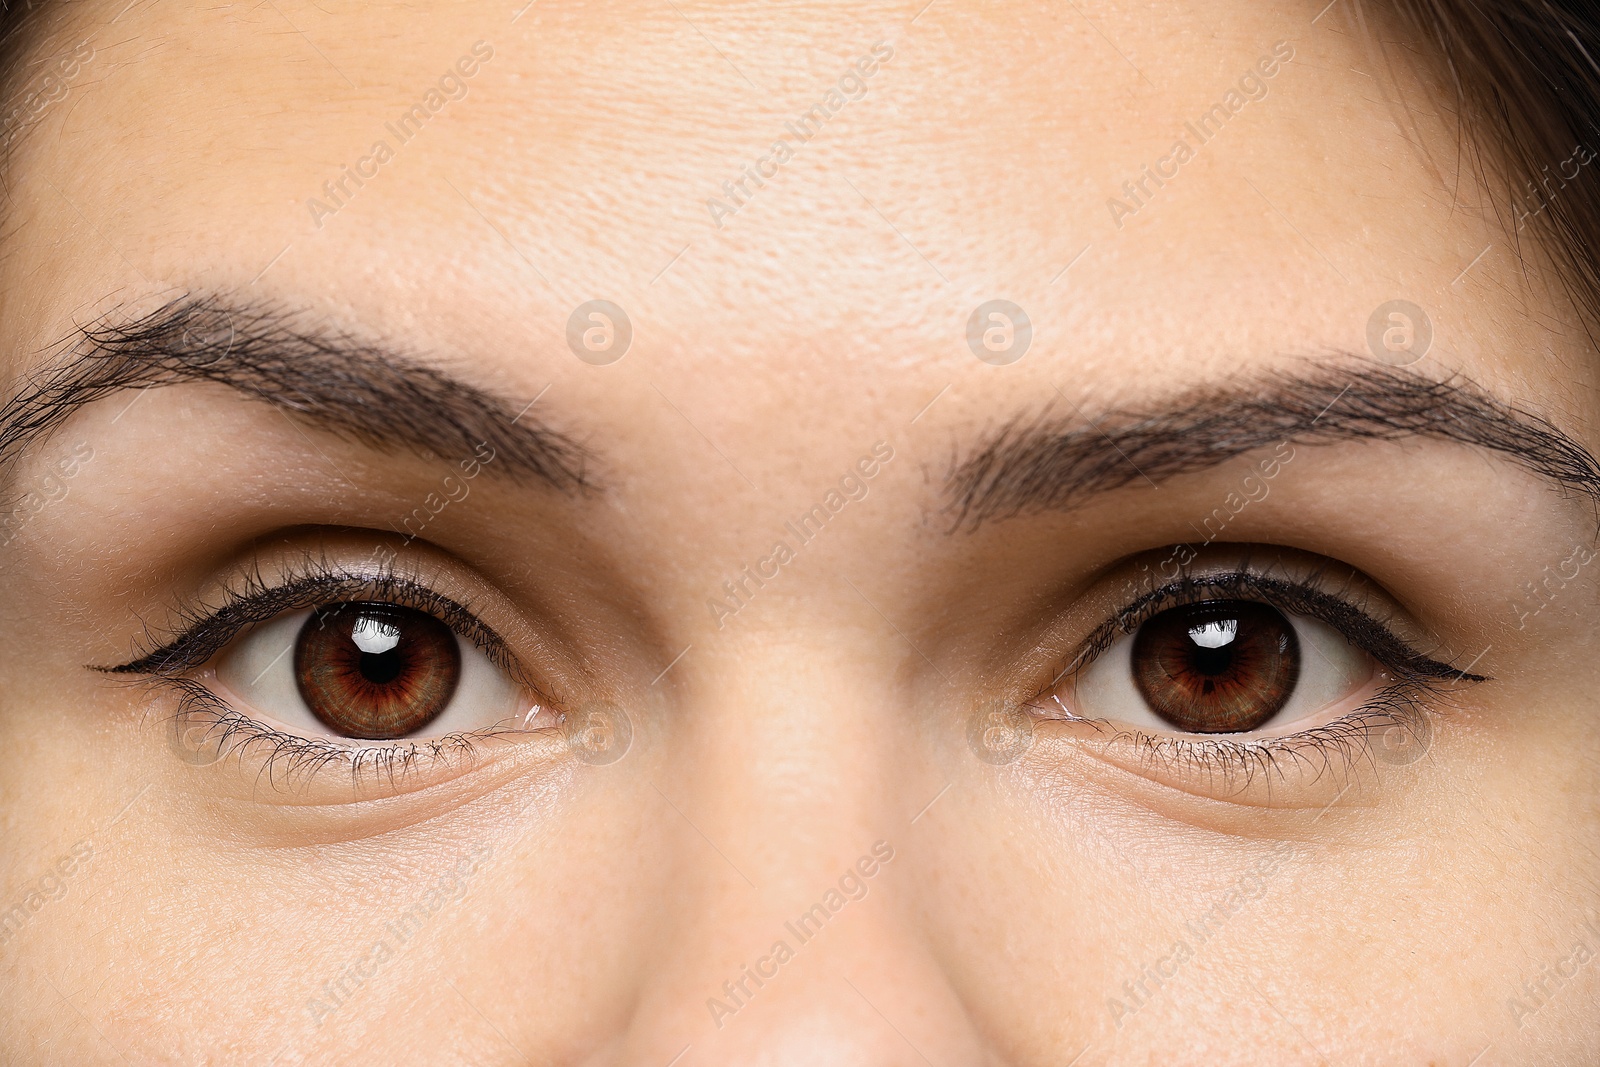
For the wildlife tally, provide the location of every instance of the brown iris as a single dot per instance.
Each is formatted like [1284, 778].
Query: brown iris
[1224, 666]
[376, 671]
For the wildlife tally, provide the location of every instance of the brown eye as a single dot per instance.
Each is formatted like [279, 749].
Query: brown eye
[1224, 666]
[376, 671]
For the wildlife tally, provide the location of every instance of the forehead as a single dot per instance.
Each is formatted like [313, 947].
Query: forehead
[807, 195]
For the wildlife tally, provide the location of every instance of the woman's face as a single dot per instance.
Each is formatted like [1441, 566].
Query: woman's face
[997, 580]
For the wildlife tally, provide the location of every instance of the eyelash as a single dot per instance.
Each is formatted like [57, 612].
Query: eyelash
[234, 733]
[201, 631]
[1344, 740]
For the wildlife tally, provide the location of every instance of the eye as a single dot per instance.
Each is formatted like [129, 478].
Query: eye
[1222, 667]
[366, 670]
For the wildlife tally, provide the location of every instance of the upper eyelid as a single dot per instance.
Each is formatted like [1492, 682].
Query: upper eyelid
[1299, 597]
[205, 631]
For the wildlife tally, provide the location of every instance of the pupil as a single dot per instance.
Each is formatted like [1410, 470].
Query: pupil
[1212, 661]
[383, 667]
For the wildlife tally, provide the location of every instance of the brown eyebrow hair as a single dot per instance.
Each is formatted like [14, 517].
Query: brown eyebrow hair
[347, 386]
[1047, 463]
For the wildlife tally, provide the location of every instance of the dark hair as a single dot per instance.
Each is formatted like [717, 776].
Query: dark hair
[1526, 78]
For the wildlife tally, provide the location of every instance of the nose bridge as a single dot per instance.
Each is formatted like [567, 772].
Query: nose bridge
[791, 937]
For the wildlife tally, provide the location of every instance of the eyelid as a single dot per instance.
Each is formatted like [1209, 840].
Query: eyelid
[204, 631]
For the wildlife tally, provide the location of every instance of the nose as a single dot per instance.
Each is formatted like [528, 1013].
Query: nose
[789, 936]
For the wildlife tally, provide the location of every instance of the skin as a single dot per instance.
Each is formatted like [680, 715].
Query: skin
[1391, 914]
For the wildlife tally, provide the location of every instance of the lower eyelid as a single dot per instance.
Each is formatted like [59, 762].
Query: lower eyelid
[252, 761]
[1306, 772]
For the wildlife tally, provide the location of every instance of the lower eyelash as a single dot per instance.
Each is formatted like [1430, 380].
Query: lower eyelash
[225, 732]
[1336, 747]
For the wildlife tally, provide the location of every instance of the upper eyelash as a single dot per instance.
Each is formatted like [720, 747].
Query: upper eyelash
[202, 632]
[1295, 596]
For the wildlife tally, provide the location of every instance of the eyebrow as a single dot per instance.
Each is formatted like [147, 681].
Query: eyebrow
[352, 388]
[1048, 463]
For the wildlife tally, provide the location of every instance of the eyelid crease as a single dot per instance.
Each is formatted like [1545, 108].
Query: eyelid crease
[1296, 596]
[202, 631]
